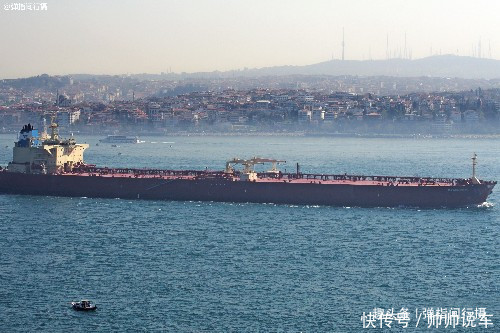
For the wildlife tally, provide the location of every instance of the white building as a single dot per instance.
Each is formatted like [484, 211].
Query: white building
[67, 118]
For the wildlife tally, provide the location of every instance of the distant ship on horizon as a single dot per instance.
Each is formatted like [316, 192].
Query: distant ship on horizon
[120, 139]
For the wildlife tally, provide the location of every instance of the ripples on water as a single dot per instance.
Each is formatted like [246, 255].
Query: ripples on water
[201, 266]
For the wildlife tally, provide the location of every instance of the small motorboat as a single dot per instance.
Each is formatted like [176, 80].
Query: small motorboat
[84, 305]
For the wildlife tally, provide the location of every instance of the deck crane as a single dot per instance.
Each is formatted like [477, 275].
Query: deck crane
[248, 170]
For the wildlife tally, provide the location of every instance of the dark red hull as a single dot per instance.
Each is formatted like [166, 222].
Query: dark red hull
[220, 189]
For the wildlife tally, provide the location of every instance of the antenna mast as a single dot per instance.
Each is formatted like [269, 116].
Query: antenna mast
[387, 55]
[405, 47]
[343, 43]
[474, 163]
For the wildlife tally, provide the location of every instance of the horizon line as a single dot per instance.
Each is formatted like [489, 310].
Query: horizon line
[259, 68]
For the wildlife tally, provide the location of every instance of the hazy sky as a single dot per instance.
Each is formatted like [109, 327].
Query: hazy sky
[126, 36]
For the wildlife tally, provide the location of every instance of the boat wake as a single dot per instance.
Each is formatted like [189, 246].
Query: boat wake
[486, 205]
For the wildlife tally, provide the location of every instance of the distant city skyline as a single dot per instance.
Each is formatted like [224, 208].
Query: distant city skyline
[120, 37]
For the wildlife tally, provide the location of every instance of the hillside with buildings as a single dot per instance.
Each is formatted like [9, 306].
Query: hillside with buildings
[276, 111]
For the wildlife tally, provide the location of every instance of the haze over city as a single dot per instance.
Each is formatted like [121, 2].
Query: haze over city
[119, 37]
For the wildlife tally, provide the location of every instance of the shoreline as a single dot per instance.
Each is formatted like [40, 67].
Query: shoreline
[286, 134]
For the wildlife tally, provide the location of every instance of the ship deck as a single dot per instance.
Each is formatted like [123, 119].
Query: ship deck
[294, 178]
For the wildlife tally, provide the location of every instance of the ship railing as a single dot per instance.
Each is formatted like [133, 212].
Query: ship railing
[208, 174]
[354, 178]
[148, 173]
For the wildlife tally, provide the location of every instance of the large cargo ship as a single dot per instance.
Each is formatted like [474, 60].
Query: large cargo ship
[48, 165]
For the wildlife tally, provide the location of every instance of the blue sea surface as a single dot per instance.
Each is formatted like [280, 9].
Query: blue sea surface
[216, 267]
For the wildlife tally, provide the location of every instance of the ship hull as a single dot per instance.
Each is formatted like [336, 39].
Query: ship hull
[226, 190]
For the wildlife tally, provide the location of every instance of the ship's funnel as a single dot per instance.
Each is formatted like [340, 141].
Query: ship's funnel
[28, 137]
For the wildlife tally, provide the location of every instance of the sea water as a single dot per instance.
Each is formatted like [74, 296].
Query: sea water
[217, 267]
